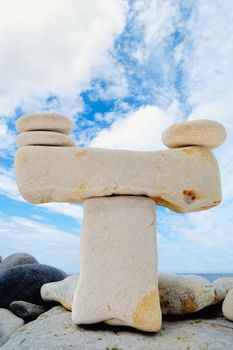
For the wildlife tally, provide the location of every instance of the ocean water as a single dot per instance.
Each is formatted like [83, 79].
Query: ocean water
[212, 276]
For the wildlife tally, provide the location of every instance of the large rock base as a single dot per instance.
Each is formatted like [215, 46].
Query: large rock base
[54, 330]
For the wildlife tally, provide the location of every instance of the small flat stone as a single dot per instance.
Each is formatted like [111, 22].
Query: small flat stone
[9, 323]
[26, 310]
[207, 133]
[23, 282]
[224, 282]
[227, 306]
[54, 330]
[44, 138]
[17, 259]
[44, 121]
[185, 294]
[62, 291]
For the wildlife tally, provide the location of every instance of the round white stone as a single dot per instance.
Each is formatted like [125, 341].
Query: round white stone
[227, 306]
[44, 121]
[207, 133]
[43, 138]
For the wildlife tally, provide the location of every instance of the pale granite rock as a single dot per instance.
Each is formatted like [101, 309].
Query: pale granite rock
[220, 294]
[118, 263]
[44, 138]
[62, 291]
[178, 179]
[185, 294]
[26, 310]
[227, 306]
[224, 282]
[207, 133]
[9, 323]
[44, 121]
[54, 330]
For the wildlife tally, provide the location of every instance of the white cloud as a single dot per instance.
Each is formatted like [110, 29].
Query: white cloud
[157, 20]
[46, 243]
[55, 47]
[72, 210]
[140, 130]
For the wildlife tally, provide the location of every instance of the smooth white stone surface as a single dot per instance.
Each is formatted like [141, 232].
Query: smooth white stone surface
[207, 133]
[44, 138]
[118, 264]
[44, 121]
[178, 179]
[227, 306]
[61, 291]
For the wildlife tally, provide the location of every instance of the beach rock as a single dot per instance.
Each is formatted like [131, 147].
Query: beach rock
[170, 177]
[26, 310]
[185, 294]
[44, 138]
[44, 121]
[17, 259]
[61, 292]
[118, 281]
[207, 133]
[224, 282]
[227, 306]
[220, 294]
[9, 323]
[55, 330]
[23, 282]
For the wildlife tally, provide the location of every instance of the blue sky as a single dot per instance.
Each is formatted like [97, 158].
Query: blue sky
[122, 71]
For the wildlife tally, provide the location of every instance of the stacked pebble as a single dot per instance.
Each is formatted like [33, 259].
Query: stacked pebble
[44, 129]
[203, 132]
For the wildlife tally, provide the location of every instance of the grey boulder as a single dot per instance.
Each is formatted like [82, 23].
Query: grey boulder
[23, 282]
[26, 310]
[17, 259]
[54, 330]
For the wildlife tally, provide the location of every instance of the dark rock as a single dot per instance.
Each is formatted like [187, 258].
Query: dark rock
[28, 311]
[0, 259]
[17, 259]
[23, 282]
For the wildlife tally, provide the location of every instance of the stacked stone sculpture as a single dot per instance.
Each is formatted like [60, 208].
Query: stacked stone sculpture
[118, 281]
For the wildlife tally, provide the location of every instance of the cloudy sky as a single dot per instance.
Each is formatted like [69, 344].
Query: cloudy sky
[123, 71]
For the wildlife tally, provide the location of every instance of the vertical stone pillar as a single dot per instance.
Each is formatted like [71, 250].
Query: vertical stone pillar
[118, 281]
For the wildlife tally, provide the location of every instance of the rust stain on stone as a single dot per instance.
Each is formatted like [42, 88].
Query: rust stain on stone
[82, 187]
[188, 306]
[81, 152]
[147, 315]
[191, 149]
[66, 305]
[164, 203]
[190, 196]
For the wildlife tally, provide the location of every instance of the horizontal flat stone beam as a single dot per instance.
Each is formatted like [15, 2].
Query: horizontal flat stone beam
[184, 179]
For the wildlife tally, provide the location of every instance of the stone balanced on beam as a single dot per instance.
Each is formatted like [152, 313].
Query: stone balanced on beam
[118, 281]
